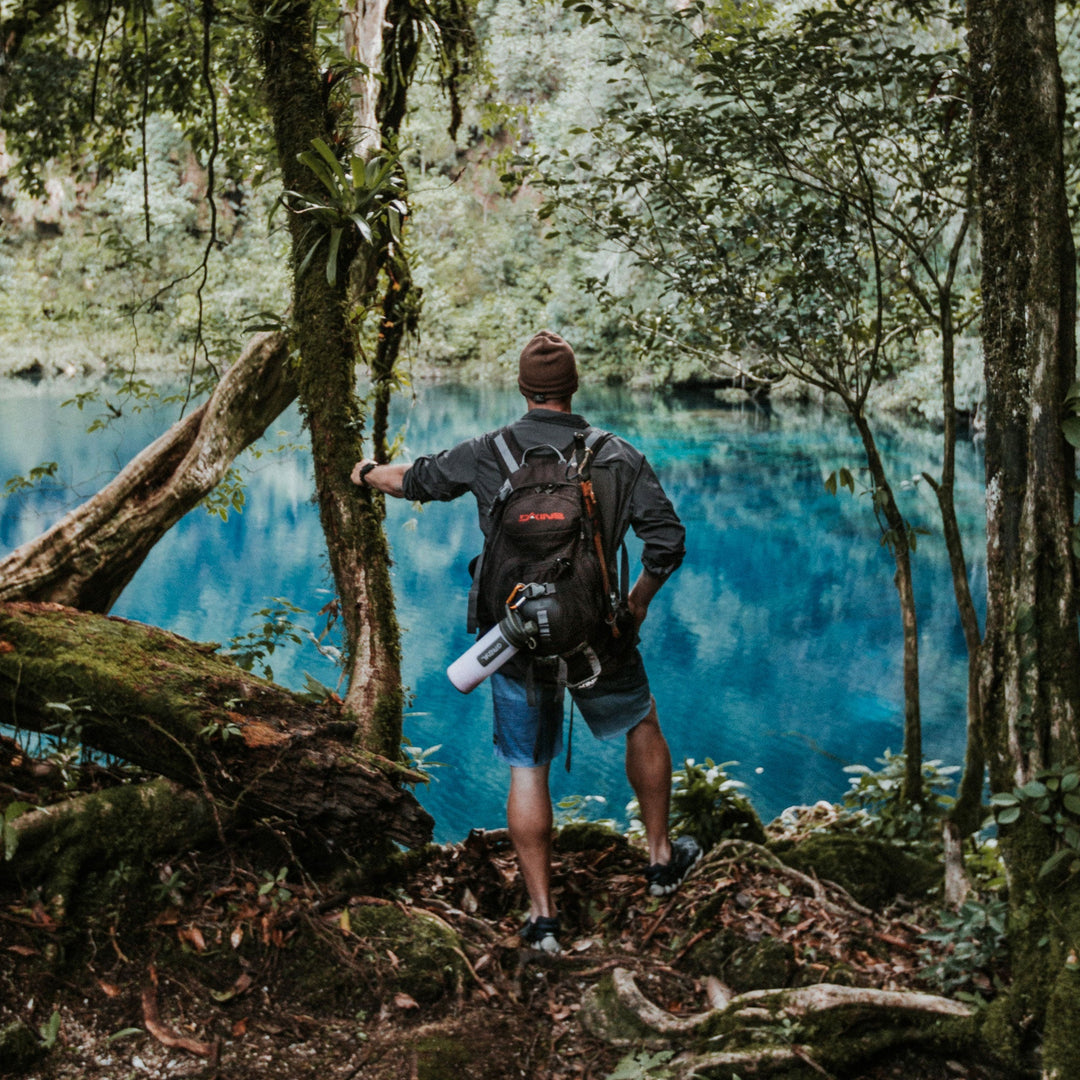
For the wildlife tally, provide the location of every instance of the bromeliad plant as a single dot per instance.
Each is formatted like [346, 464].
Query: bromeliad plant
[366, 199]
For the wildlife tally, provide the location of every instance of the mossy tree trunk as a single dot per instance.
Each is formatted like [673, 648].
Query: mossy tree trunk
[180, 711]
[326, 338]
[88, 557]
[1030, 677]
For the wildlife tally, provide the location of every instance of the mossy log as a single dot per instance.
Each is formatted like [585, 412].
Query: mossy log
[87, 558]
[822, 1027]
[178, 709]
[57, 847]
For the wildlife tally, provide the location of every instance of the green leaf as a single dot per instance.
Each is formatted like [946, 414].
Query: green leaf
[332, 256]
[1008, 815]
[1033, 789]
[1054, 862]
[1071, 802]
[1071, 428]
[310, 255]
[331, 160]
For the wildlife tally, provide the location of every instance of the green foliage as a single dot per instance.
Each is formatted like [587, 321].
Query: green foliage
[275, 888]
[976, 940]
[367, 200]
[1053, 799]
[573, 809]
[419, 758]
[708, 804]
[50, 1031]
[44, 471]
[878, 499]
[230, 494]
[797, 186]
[643, 1065]
[877, 802]
[276, 628]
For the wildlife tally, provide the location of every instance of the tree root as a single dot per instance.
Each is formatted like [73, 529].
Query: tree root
[823, 1026]
[842, 902]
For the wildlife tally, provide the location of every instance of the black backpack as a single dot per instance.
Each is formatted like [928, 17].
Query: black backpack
[541, 557]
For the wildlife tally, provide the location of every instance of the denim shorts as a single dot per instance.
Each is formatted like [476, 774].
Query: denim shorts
[531, 735]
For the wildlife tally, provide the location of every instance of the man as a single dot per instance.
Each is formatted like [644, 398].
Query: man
[619, 703]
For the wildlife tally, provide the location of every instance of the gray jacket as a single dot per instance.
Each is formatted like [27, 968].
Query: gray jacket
[627, 491]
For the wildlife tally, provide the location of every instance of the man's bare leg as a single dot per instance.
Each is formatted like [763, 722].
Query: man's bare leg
[648, 768]
[529, 817]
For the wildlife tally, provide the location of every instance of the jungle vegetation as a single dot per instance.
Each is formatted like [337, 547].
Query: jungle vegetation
[269, 201]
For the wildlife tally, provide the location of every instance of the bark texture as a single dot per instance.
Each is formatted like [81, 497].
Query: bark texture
[326, 338]
[181, 711]
[1031, 657]
[86, 559]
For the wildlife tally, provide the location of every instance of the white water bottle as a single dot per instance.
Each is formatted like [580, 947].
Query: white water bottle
[491, 651]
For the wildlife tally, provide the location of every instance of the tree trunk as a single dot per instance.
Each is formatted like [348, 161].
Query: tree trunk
[364, 22]
[897, 535]
[351, 519]
[86, 559]
[1030, 676]
[179, 710]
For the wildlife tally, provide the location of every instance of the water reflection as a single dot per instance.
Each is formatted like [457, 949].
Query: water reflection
[777, 645]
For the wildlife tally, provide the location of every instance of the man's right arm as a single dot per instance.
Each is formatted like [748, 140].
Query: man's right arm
[442, 476]
[385, 478]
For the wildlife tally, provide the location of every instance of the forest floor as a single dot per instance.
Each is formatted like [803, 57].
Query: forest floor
[234, 973]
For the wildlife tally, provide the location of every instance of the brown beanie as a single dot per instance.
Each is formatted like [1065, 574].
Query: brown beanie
[547, 368]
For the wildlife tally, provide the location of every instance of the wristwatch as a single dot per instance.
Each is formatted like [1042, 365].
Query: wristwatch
[365, 469]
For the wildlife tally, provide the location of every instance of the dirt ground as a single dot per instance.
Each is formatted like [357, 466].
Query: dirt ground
[236, 973]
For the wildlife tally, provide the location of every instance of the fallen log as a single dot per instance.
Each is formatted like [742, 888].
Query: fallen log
[87, 558]
[53, 848]
[178, 709]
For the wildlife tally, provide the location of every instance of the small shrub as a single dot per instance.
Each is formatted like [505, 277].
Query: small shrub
[876, 800]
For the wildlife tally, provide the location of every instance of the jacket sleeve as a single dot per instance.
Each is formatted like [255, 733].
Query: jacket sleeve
[442, 476]
[656, 524]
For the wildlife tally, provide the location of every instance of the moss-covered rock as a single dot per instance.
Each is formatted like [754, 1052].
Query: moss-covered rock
[398, 952]
[19, 1049]
[742, 964]
[875, 872]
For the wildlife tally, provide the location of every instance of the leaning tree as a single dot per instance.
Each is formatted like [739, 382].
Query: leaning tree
[334, 112]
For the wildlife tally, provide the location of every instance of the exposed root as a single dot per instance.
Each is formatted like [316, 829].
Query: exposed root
[621, 1014]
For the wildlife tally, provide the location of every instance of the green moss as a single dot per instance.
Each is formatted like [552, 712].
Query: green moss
[875, 872]
[588, 836]
[398, 952]
[744, 965]
[444, 1057]
[19, 1048]
[604, 1015]
[1000, 1034]
[1061, 1042]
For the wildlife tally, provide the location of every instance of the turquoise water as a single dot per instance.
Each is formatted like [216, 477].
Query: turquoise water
[776, 646]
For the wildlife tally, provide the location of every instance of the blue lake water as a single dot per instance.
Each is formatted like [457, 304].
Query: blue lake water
[777, 645]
